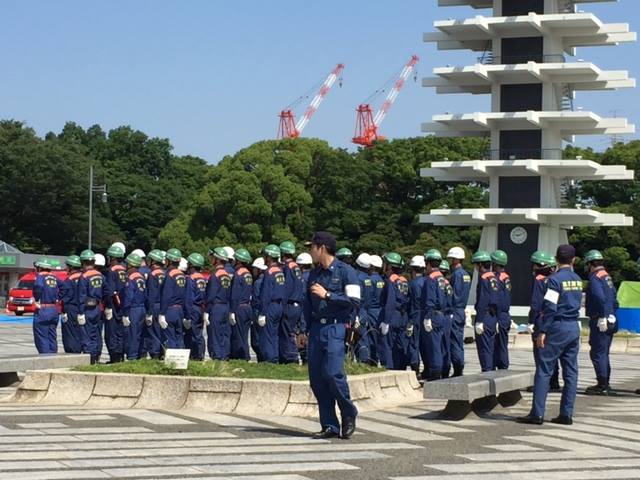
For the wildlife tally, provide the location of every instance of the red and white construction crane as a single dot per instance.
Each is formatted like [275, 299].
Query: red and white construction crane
[288, 127]
[366, 124]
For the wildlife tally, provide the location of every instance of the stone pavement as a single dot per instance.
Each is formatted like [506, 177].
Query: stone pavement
[41, 443]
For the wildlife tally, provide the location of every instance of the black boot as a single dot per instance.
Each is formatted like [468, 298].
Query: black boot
[95, 359]
[601, 388]
[457, 371]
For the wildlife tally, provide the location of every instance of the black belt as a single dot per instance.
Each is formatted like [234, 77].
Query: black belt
[330, 321]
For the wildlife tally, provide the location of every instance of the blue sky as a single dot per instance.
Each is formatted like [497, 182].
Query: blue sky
[212, 75]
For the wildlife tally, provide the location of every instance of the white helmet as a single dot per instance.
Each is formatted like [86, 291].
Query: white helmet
[417, 261]
[120, 245]
[139, 252]
[259, 264]
[100, 260]
[376, 261]
[456, 252]
[364, 260]
[183, 265]
[304, 259]
[230, 252]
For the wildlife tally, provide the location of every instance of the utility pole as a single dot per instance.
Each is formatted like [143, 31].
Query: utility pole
[93, 189]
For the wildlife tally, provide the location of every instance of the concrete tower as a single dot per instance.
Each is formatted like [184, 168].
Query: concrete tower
[525, 62]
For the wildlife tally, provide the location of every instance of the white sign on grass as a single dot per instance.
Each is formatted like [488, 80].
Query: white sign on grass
[177, 358]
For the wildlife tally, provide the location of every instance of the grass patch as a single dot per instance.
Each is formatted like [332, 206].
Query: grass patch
[217, 368]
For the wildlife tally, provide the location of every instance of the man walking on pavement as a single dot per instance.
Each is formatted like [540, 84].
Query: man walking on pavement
[333, 293]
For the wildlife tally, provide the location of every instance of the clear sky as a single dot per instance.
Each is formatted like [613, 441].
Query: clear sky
[212, 75]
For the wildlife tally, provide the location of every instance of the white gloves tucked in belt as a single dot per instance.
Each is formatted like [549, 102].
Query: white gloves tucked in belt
[205, 317]
[232, 319]
[108, 313]
[479, 328]
[81, 319]
[384, 328]
[428, 326]
[611, 319]
[409, 330]
[125, 321]
[148, 320]
[64, 317]
[163, 322]
[186, 323]
[602, 324]
[262, 320]
[356, 323]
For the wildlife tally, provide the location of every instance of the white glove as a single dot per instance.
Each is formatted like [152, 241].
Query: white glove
[611, 319]
[479, 328]
[108, 313]
[205, 317]
[81, 319]
[125, 321]
[409, 331]
[530, 328]
[37, 304]
[262, 320]
[602, 324]
[468, 321]
[186, 323]
[64, 317]
[428, 326]
[384, 328]
[232, 319]
[356, 323]
[148, 320]
[163, 322]
[497, 327]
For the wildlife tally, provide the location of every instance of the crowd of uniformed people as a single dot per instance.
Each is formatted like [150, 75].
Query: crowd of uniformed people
[392, 314]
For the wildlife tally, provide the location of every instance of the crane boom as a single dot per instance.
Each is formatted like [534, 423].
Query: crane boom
[367, 124]
[288, 127]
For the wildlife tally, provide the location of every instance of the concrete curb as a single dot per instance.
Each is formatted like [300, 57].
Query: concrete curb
[630, 345]
[220, 395]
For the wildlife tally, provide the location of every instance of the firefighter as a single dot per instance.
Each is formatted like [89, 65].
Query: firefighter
[116, 279]
[241, 313]
[172, 298]
[74, 338]
[194, 306]
[218, 297]
[134, 308]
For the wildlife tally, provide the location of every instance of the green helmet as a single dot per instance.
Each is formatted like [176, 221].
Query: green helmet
[134, 260]
[444, 265]
[44, 263]
[220, 253]
[393, 258]
[288, 247]
[540, 257]
[344, 252]
[196, 259]
[552, 260]
[156, 255]
[481, 256]
[272, 250]
[432, 254]
[174, 255]
[87, 255]
[115, 251]
[73, 261]
[593, 255]
[499, 257]
[243, 255]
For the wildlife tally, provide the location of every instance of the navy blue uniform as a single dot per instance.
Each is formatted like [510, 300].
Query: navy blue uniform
[151, 332]
[416, 287]
[487, 300]
[74, 337]
[327, 319]
[172, 307]
[45, 320]
[435, 340]
[375, 303]
[219, 330]
[91, 292]
[288, 351]
[194, 306]
[601, 303]
[241, 291]
[363, 347]
[501, 352]
[560, 325]
[134, 306]
[255, 305]
[116, 279]
[396, 344]
[460, 286]
[272, 294]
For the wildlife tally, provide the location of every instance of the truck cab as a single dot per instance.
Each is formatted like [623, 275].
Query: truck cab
[21, 299]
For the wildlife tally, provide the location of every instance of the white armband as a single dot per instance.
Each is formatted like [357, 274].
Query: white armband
[352, 291]
[552, 296]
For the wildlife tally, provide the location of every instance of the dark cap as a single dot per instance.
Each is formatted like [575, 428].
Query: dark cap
[324, 238]
[566, 252]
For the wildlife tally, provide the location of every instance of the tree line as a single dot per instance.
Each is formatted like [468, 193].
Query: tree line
[271, 191]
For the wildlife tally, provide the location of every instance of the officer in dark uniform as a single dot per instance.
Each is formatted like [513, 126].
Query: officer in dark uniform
[487, 300]
[241, 313]
[559, 338]
[116, 279]
[152, 332]
[74, 338]
[416, 287]
[361, 318]
[91, 291]
[134, 308]
[501, 352]
[288, 350]
[334, 291]
[45, 321]
[271, 311]
[172, 302]
[542, 264]
[194, 306]
[258, 267]
[218, 298]
[600, 306]
[377, 285]
[460, 285]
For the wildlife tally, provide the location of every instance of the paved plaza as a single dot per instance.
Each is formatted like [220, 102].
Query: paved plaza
[49, 442]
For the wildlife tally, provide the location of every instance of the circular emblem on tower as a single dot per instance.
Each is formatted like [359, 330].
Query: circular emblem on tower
[518, 235]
